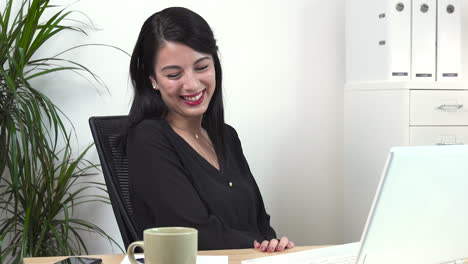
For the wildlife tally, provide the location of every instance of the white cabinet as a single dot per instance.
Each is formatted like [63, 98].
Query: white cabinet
[382, 115]
[404, 86]
[438, 135]
[438, 108]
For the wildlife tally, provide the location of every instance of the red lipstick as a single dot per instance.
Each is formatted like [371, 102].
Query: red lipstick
[197, 102]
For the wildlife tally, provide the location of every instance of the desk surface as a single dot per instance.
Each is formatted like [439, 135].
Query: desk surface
[235, 255]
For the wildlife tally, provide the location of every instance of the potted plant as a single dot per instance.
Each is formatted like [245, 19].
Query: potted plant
[41, 182]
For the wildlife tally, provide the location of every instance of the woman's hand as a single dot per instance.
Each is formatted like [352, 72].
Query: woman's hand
[274, 245]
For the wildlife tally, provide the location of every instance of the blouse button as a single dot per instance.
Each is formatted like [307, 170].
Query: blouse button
[230, 184]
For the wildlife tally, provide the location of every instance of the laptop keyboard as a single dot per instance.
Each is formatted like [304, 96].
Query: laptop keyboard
[342, 259]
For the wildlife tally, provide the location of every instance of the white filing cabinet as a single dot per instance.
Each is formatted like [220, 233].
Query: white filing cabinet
[380, 115]
[386, 102]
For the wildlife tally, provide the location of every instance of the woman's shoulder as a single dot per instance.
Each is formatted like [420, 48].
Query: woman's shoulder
[148, 128]
[229, 130]
[148, 123]
[230, 133]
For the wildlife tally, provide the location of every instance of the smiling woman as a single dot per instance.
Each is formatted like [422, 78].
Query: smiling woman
[186, 166]
[185, 78]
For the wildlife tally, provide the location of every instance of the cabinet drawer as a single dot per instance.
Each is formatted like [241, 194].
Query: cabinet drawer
[421, 136]
[429, 107]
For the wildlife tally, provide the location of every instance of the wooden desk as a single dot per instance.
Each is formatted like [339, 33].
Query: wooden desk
[235, 255]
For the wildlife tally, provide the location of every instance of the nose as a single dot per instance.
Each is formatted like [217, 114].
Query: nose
[191, 81]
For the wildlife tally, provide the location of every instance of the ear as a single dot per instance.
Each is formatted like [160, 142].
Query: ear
[153, 83]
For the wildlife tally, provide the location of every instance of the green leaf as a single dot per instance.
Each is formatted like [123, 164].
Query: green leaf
[52, 70]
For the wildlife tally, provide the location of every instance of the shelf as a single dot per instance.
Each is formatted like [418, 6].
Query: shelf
[405, 85]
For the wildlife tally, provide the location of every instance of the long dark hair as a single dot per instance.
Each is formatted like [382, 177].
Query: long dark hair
[184, 26]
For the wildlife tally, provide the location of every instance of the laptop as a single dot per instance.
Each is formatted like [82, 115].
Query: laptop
[419, 214]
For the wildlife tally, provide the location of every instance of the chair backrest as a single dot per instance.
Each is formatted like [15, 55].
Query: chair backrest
[107, 133]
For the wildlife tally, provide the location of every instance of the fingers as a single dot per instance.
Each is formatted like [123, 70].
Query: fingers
[272, 246]
[290, 244]
[263, 246]
[284, 241]
[256, 244]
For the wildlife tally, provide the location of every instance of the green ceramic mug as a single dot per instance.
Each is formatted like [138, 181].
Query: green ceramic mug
[167, 245]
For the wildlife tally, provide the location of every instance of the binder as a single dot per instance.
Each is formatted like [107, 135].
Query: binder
[398, 42]
[423, 57]
[448, 40]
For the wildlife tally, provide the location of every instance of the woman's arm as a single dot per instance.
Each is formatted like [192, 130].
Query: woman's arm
[269, 242]
[263, 219]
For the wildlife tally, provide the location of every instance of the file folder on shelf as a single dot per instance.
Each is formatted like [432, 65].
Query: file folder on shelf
[448, 40]
[398, 42]
[409, 41]
[423, 57]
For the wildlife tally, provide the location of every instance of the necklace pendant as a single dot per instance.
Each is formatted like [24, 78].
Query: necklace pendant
[230, 184]
[196, 135]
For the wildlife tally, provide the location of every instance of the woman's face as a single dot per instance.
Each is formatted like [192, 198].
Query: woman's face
[186, 79]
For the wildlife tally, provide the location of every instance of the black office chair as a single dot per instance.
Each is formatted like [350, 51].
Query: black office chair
[107, 131]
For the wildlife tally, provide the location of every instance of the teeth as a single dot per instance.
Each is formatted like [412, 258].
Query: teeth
[194, 98]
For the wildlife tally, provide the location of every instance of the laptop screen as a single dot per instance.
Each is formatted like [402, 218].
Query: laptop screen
[420, 212]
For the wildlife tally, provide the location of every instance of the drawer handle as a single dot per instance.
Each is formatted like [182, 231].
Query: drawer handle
[448, 144]
[450, 106]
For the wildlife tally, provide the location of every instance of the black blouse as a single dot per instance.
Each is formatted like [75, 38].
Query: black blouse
[172, 185]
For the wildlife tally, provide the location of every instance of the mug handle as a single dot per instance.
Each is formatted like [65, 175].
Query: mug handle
[131, 249]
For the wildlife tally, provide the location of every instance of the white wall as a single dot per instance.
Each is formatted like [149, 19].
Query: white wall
[283, 65]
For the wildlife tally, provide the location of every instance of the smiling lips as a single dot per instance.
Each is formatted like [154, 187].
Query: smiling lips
[194, 99]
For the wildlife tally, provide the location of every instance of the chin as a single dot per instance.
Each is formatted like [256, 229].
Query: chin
[195, 112]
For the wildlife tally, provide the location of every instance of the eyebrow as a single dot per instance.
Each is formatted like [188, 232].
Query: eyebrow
[178, 67]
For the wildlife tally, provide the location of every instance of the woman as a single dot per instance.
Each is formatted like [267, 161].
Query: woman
[186, 165]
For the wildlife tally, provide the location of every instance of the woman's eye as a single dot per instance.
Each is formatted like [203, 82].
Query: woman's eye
[173, 75]
[201, 68]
